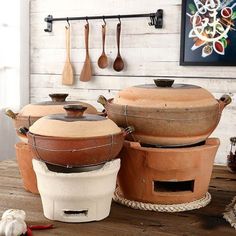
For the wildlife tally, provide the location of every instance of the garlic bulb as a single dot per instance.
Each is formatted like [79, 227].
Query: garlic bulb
[14, 214]
[12, 223]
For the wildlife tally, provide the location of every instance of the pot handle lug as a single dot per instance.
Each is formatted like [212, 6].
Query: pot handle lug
[224, 101]
[102, 100]
[128, 130]
[23, 131]
[10, 113]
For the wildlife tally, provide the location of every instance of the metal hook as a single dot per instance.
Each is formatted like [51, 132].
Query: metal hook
[67, 19]
[105, 23]
[86, 18]
[119, 19]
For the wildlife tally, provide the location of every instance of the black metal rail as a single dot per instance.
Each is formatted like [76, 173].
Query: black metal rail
[156, 19]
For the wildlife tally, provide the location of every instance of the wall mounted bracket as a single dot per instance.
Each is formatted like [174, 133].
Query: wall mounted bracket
[156, 19]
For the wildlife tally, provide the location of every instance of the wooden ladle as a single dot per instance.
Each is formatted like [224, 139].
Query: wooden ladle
[86, 72]
[103, 60]
[118, 63]
[67, 74]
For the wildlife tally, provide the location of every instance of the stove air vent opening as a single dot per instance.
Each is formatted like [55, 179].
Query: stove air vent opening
[173, 186]
[71, 213]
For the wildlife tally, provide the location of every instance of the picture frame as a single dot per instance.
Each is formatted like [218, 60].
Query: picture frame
[208, 33]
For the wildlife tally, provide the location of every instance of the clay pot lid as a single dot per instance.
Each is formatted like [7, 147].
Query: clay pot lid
[74, 124]
[58, 100]
[165, 94]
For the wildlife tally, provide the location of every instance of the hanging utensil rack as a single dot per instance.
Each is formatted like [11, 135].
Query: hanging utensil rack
[156, 19]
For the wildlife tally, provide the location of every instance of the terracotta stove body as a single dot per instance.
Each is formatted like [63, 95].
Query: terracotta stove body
[77, 197]
[166, 175]
[24, 159]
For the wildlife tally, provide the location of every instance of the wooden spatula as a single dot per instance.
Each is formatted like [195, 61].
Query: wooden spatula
[86, 72]
[67, 75]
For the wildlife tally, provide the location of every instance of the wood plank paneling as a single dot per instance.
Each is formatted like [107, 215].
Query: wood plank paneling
[148, 53]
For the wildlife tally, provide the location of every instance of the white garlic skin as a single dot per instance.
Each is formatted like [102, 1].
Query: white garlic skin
[14, 214]
[12, 223]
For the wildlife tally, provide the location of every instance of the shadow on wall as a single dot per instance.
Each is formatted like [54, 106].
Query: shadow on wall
[8, 137]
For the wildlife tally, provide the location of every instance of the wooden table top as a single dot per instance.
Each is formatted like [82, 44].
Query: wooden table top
[123, 220]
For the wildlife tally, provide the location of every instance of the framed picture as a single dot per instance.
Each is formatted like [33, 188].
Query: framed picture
[208, 33]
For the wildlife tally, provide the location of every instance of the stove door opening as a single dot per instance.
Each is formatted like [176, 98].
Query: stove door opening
[173, 186]
[76, 213]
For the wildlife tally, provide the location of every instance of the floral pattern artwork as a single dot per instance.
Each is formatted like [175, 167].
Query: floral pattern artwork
[210, 30]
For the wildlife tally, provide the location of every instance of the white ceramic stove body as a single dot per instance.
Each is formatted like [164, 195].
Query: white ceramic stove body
[77, 197]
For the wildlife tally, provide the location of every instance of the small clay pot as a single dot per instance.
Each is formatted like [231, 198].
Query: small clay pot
[32, 112]
[166, 175]
[24, 160]
[74, 139]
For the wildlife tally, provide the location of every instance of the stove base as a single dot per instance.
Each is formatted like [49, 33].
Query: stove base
[77, 197]
[166, 175]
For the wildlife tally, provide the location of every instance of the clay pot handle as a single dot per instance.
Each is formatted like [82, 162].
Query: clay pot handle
[10, 113]
[102, 100]
[23, 131]
[164, 82]
[224, 101]
[74, 111]
[58, 97]
[128, 130]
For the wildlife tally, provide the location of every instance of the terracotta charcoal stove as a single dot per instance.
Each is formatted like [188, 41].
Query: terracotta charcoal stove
[168, 159]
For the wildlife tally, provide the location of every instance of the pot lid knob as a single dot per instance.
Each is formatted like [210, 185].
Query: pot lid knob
[58, 97]
[163, 82]
[74, 111]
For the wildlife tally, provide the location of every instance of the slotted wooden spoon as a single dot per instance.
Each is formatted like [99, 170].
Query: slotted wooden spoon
[67, 74]
[86, 72]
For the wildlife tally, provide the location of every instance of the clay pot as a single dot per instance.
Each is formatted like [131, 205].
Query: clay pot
[24, 160]
[166, 175]
[75, 139]
[32, 112]
[168, 116]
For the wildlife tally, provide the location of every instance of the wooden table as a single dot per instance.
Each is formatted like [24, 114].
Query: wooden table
[123, 220]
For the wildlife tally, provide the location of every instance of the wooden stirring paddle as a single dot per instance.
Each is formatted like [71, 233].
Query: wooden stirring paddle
[86, 72]
[67, 75]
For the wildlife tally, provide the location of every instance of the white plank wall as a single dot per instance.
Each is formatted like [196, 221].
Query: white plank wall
[148, 53]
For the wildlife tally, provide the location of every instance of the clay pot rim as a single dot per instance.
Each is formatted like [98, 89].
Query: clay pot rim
[74, 138]
[163, 109]
[210, 142]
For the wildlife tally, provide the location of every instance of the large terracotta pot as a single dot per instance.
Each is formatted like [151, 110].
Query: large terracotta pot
[166, 175]
[32, 112]
[75, 139]
[168, 116]
[24, 160]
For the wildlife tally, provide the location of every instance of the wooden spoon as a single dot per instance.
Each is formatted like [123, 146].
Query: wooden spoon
[86, 72]
[67, 75]
[103, 60]
[118, 63]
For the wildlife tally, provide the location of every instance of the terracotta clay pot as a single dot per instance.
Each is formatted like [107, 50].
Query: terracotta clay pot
[168, 116]
[75, 139]
[166, 175]
[24, 160]
[32, 112]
